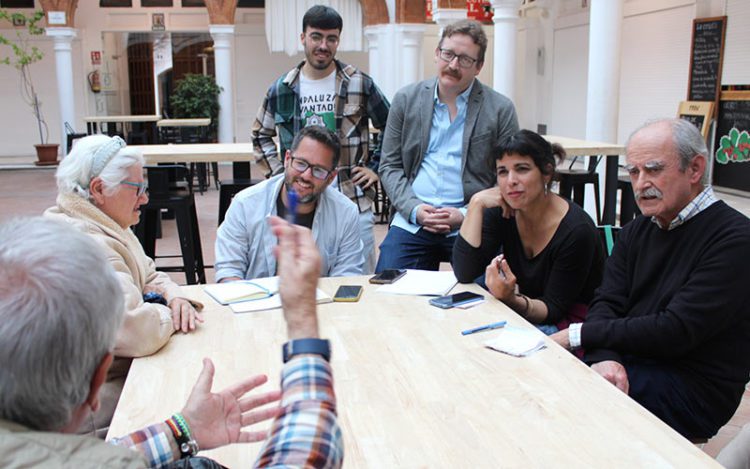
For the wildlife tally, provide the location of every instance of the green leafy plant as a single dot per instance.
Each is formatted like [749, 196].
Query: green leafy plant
[21, 55]
[197, 96]
[734, 147]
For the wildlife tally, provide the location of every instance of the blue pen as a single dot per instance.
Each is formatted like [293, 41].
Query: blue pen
[488, 327]
[291, 210]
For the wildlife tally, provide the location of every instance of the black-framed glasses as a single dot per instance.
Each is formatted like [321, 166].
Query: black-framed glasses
[300, 165]
[141, 186]
[464, 61]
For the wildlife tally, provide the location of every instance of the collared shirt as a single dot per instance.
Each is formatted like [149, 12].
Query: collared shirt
[438, 182]
[701, 202]
[305, 434]
[359, 103]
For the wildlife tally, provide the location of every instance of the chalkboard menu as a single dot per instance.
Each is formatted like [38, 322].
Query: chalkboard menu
[706, 58]
[732, 154]
[697, 113]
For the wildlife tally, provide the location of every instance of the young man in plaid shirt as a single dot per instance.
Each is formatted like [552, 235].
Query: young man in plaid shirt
[324, 91]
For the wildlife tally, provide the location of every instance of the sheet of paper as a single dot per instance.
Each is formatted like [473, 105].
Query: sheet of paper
[272, 302]
[517, 341]
[422, 282]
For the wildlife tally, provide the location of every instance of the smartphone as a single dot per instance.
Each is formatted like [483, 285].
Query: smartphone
[449, 301]
[388, 276]
[350, 293]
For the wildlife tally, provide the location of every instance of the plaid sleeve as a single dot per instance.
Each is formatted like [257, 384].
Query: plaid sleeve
[155, 443]
[263, 130]
[306, 434]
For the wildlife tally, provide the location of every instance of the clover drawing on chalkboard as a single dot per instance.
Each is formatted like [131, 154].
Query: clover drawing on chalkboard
[734, 147]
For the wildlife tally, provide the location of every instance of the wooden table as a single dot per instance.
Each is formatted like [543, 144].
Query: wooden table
[92, 121]
[196, 152]
[413, 392]
[575, 147]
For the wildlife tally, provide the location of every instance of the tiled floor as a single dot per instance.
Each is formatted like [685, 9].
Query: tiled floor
[31, 191]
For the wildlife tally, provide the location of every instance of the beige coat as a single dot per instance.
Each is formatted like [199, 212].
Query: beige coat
[21, 448]
[147, 326]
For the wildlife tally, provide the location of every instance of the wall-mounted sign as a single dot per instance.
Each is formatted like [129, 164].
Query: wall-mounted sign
[157, 22]
[480, 10]
[96, 57]
[56, 17]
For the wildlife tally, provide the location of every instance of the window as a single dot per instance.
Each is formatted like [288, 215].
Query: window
[156, 3]
[17, 3]
[115, 3]
[251, 4]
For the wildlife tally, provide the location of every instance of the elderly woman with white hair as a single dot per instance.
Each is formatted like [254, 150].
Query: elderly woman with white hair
[100, 192]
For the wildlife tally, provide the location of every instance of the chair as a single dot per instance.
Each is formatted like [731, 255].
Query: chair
[382, 205]
[574, 181]
[609, 236]
[182, 202]
[628, 208]
[191, 134]
[228, 188]
[72, 135]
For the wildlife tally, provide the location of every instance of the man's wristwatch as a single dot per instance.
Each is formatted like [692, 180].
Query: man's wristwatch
[302, 346]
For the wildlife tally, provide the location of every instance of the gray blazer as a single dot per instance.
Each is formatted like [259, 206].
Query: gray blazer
[490, 118]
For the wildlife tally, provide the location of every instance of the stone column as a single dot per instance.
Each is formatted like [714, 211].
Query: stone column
[63, 38]
[504, 59]
[602, 99]
[408, 43]
[223, 35]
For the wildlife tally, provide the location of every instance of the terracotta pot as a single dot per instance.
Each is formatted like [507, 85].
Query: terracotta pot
[46, 154]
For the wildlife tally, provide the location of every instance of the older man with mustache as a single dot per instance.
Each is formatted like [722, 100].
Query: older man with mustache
[669, 325]
[439, 149]
[302, 193]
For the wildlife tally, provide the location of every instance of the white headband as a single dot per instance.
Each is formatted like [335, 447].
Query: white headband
[104, 155]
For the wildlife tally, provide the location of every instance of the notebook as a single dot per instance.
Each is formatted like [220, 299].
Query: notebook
[243, 290]
[259, 294]
[517, 341]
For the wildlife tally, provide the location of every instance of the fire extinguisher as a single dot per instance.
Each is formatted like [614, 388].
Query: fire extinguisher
[94, 82]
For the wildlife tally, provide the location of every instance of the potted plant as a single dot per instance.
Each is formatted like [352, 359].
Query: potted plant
[197, 96]
[22, 56]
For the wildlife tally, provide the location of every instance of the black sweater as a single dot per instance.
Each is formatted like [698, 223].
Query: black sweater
[681, 297]
[565, 272]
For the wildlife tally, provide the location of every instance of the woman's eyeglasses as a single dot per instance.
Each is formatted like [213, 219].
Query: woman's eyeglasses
[141, 186]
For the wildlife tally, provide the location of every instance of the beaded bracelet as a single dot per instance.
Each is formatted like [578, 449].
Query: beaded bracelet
[181, 431]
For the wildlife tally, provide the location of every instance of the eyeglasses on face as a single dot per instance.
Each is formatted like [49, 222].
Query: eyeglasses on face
[300, 165]
[141, 186]
[317, 38]
[464, 61]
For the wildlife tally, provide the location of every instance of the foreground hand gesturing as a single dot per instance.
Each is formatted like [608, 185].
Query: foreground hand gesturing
[217, 419]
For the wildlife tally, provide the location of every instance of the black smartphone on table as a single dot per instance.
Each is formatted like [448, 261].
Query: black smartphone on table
[348, 293]
[388, 276]
[449, 301]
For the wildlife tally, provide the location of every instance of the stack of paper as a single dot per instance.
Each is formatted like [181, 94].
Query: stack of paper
[273, 302]
[517, 341]
[422, 282]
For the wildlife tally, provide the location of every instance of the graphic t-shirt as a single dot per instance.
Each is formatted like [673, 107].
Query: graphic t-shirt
[317, 101]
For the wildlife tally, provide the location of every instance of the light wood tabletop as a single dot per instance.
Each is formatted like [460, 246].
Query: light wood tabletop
[413, 392]
[576, 147]
[136, 118]
[193, 122]
[196, 152]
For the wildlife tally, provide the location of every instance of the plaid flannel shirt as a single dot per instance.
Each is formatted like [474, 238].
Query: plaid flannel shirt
[358, 100]
[305, 434]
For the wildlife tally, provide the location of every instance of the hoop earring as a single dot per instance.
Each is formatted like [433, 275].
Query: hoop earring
[546, 190]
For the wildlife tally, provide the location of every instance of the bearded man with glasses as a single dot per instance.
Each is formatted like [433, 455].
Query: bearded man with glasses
[245, 242]
[440, 143]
